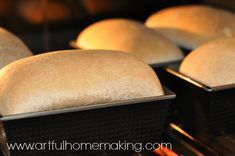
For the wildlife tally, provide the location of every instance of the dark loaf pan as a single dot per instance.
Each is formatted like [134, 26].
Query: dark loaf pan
[137, 120]
[203, 108]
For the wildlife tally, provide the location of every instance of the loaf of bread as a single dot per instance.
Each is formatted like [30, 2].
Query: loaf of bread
[11, 48]
[190, 26]
[131, 37]
[213, 63]
[71, 78]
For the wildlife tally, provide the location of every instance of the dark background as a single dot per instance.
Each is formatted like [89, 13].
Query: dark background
[46, 25]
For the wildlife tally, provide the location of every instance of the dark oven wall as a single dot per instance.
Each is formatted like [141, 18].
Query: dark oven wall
[47, 25]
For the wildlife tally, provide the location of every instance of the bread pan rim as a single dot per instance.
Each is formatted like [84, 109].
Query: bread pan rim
[198, 84]
[167, 96]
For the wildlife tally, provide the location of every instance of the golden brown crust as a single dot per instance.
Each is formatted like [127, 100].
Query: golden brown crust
[213, 63]
[190, 26]
[73, 78]
[131, 37]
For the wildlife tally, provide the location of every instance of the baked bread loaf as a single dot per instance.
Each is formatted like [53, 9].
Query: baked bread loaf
[74, 78]
[190, 26]
[213, 63]
[131, 37]
[11, 48]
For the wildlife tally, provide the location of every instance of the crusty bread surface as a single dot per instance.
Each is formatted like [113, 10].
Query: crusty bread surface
[192, 25]
[213, 63]
[11, 48]
[71, 78]
[131, 37]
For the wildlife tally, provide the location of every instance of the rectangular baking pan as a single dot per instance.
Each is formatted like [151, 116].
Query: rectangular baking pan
[203, 108]
[139, 120]
[162, 74]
